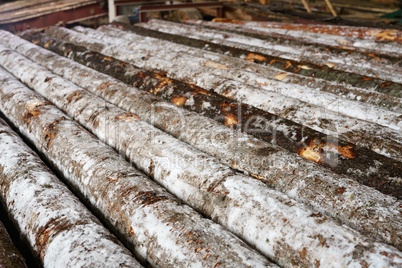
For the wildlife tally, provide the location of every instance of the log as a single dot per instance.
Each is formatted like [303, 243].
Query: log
[266, 219]
[235, 69]
[233, 148]
[204, 203]
[59, 229]
[382, 93]
[10, 257]
[335, 41]
[350, 159]
[366, 33]
[157, 227]
[342, 60]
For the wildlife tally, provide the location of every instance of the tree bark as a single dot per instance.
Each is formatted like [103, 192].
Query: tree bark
[374, 34]
[299, 73]
[327, 67]
[266, 219]
[315, 146]
[246, 73]
[10, 257]
[329, 39]
[156, 226]
[254, 157]
[57, 226]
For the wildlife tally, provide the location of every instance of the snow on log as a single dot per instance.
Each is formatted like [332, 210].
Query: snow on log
[282, 229]
[384, 67]
[10, 257]
[300, 73]
[366, 166]
[60, 230]
[327, 39]
[241, 152]
[156, 226]
[246, 73]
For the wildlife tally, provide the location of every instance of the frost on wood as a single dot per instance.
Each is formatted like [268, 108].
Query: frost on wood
[343, 198]
[310, 144]
[10, 257]
[266, 219]
[60, 230]
[156, 226]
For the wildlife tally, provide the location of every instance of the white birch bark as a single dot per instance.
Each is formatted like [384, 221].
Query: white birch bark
[327, 39]
[240, 151]
[279, 227]
[319, 119]
[364, 95]
[60, 230]
[156, 226]
[344, 62]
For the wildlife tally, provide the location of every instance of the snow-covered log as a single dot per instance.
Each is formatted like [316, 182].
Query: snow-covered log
[10, 257]
[348, 85]
[282, 229]
[387, 68]
[359, 162]
[156, 226]
[58, 227]
[242, 71]
[240, 151]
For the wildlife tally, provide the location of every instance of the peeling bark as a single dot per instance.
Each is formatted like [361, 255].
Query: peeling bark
[10, 257]
[57, 226]
[300, 73]
[361, 163]
[324, 68]
[266, 219]
[156, 226]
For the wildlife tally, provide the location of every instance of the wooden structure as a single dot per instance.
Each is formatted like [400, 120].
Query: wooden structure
[22, 15]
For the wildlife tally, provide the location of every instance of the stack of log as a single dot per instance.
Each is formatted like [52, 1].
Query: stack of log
[208, 144]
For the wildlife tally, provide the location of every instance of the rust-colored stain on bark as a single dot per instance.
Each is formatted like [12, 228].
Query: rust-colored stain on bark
[374, 56]
[315, 150]
[32, 110]
[104, 85]
[231, 120]
[163, 82]
[51, 130]
[256, 58]
[48, 44]
[179, 100]
[74, 97]
[128, 117]
[386, 35]
[303, 253]
[288, 64]
[340, 190]
[148, 198]
[109, 59]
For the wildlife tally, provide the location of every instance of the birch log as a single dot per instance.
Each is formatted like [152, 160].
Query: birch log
[352, 160]
[60, 230]
[279, 227]
[382, 93]
[365, 65]
[156, 226]
[246, 73]
[10, 257]
[327, 39]
[241, 152]
[365, 33]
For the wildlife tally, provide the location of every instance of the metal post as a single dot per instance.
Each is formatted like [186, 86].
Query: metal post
[112, 10]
